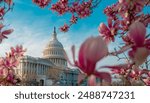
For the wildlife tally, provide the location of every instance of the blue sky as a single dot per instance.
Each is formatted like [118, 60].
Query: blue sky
[33, 27]
[31, 23]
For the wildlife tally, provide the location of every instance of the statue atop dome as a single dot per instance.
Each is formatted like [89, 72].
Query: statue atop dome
[54, 35]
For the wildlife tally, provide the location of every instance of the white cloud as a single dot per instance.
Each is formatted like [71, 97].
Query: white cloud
[28, 38]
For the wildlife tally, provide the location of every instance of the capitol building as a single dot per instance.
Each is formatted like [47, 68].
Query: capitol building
[51, 69]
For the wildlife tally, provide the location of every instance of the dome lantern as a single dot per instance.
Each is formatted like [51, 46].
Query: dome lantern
[54, 35]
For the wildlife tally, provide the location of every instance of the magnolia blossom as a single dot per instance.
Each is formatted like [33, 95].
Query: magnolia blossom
[83, 9]
[109, 32]
[137, 34]
[137, 43]
[4, 33]
[7, 65]
[126, 20]
[91, 51]
[111, 11]
[64, 28]
[42, 3]
[73, 19]
[61, 7]
[137, 5]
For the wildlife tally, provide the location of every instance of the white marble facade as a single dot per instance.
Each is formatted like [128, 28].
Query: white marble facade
[38, 68]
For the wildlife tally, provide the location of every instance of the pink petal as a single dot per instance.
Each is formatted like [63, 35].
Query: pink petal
[92, 80]
[81, 77]
[141, 55]
[91, 51]
[7, 32]
[82, 54]
[137, 32]
[97, 49]
[109, 22]
[103, 75]
[103, 28]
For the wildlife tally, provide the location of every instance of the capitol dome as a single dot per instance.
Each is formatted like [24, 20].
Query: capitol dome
[54, 51]
[54, 43]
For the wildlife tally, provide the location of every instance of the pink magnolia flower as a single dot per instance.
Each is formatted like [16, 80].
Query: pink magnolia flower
[8, 64]
[83, 10]
[73, 19]
[109, 32]
[136, 74]
[139, 52]
[4, 33]
[61, 7]
[125, 5]
[42, 3]
[64, 28]
[12, 58]
[111, 11]
[138, 43]
[19, 51]
[92, 81]
[91, 51]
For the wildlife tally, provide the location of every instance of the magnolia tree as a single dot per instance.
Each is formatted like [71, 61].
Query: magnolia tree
[11, 60]
[126, 21]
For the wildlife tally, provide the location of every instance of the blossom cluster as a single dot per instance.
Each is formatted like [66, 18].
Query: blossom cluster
[127, 22]
[121, 15]
[78, 9]
[4, 9]
[7, 65]
[126, 19]
[42, 3]
[11, 60]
